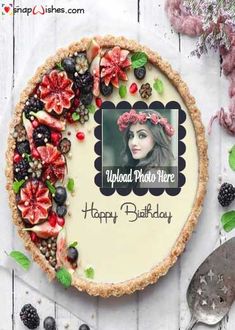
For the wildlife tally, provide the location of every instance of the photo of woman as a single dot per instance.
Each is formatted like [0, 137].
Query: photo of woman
[140, 149]
[147, 140]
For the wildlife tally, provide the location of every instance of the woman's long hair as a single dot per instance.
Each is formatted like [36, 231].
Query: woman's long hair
[160, 155]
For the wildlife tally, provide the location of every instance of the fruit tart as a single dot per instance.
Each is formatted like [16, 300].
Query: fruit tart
[106, 166]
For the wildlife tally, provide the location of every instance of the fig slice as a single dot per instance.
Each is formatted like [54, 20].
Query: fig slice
[45, 230]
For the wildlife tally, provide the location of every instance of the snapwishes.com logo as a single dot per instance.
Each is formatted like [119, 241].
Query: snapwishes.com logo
[8, 9]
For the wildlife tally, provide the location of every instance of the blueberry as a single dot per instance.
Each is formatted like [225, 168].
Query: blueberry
[68, 64]
[140, 72]
[106, 90]
[86, 99]
[49, 323]
[84, 327]
[23, 147]
[72, 254]
[60, 195]
[61, 210]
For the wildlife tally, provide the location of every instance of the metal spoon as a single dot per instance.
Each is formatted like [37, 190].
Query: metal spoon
[211, 291]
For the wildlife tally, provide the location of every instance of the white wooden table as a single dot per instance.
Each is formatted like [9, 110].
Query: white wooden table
[158, 307]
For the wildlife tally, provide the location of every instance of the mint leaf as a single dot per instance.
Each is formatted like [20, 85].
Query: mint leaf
[122, 91]
[21, 259]
[158, 86]
[17, 185]
[73, 244]
[75, 116]
[91, 108]
[89, 272]
[70, 185]
[231, 158]
[228, 220]
[64, 277]
[59, 66]
[28, 157]
[138, 59]
[50, 187]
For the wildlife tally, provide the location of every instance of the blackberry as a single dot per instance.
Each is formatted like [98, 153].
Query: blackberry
[21, 170]
[140, 72]
[23, 147]
[106, 90]
[84, 82]
[29, 316]
[226, 194]
[41, 135]
[86, 99]
[33, 104]
[49, 323]
[68, 64]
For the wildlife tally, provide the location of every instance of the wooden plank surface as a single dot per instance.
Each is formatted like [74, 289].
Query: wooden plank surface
[158, 307]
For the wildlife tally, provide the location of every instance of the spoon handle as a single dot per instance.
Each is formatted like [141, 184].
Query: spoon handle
[192, 323]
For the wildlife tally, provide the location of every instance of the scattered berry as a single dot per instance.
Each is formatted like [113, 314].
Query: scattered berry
[49, 323]
[72, 254]
[64, 146]
[23, 147]
[52, 219]
[35, 123]
[29, 316]
[84, 327]
[133, 88]
[21, 169]
[60, 221]
[33, 237]
[61, 210]
[60, 195]
[76, 102]
[17, 158]
[80, 136]
[55, 138]
[226, 194]
[106, 90]
[86, 99]
[98, 102]
[68, 64]
[41, 135]
[140, 72]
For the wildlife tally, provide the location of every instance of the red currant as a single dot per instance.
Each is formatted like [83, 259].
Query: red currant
[80, 136]
[98, 102]
[133, 88]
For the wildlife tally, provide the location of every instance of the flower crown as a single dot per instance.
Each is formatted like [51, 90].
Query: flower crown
[133, 117]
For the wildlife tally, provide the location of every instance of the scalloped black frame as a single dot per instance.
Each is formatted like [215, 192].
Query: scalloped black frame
[181, 148]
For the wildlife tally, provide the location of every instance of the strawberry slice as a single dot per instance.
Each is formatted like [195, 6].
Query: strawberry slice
[34, 202]
[54, 164]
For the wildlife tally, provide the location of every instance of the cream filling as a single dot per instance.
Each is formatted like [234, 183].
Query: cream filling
[124, 250]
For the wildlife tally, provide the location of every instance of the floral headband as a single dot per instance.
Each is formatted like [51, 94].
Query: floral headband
[133, 117]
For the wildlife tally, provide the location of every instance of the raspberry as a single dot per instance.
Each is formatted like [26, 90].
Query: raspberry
[226, 194]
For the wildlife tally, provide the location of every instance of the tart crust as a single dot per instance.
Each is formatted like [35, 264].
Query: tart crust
[140, 282]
